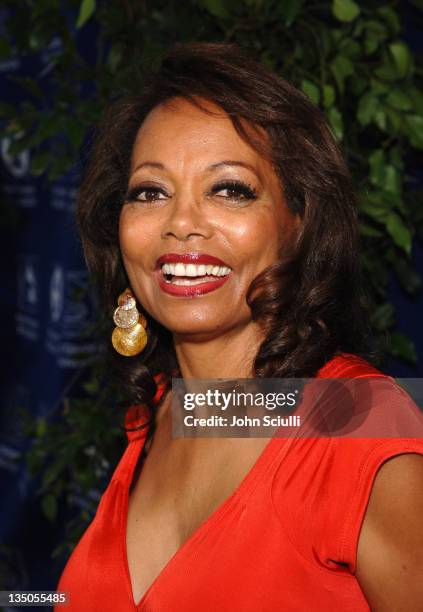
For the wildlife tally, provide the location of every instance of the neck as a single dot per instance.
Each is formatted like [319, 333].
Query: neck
[229, 355]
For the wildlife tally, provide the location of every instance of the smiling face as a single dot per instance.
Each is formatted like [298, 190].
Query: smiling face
[201, 196]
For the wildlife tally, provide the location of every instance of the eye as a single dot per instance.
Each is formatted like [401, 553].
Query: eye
[234, 190]
[145, 194]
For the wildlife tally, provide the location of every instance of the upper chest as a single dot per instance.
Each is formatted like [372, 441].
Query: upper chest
[178, 488]
[183, 483]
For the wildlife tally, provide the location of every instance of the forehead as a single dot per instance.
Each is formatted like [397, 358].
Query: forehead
[180, 128]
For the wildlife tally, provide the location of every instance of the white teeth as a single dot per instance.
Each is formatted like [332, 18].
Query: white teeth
[191, 270]
[194, 270]
[186, 281]
[180, 269]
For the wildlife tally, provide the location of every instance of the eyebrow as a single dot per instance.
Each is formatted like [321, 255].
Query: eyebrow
[228, 162]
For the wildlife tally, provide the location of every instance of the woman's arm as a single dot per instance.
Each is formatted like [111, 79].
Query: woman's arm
[390, 546]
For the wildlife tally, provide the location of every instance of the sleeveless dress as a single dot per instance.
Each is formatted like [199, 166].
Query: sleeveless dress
[286, 539]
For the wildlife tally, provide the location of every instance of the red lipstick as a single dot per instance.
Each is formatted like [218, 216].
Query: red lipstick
[194, 257]
[195, 290]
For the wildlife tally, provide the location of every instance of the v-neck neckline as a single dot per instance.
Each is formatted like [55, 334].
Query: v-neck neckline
[244, 486]
[241, 490]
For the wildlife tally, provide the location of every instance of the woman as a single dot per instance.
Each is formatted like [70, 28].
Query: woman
[220, 200]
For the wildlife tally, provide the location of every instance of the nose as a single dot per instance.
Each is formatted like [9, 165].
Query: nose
[186, 220]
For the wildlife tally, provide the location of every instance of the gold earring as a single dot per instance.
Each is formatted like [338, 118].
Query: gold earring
[129, 337]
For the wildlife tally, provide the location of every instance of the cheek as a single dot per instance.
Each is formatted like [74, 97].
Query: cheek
[135, 236]
[255, 240]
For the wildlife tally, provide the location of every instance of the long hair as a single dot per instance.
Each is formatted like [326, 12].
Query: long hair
[309, 304]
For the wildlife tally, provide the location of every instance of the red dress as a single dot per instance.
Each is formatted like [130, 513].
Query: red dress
[286, 539]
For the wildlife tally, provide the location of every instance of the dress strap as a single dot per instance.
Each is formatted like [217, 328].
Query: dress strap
[347, 365]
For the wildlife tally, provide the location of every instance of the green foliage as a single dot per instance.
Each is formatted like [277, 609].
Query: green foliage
[345, 10]
[69, 451]
[348, 57]
[85, 12]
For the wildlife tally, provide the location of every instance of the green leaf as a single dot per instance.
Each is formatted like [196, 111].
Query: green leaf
[345, 10]
[376, 28]
[328, 96]
[417, 96]
[311, 90]
[383, 317]
[399, 100]
[370, 44]
[58, 167]
[384, 175]
[357, 87]
[392, 179]
[388, 72]
[350, 48]
[396, 159]
[75, 132]
[403, 347]
[414, 130]
[376, 33]
[289, 10]
[92, 386]
[374, 212]
[41, 426]
[376, 205]
[395, 118]
[341, 67]
[217, 8]
[49, 506]
[402, 57]
[399, 233]
[391, 18]
[381, 119]
[337, 34]
[336, 122]
[49, 125]
[377, 170]
[53, 471]
[86, 10]
[37, 40]
[367, 107]
[40, 162]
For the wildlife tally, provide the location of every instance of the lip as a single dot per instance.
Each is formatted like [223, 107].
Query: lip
[193, 257]
[190, 291]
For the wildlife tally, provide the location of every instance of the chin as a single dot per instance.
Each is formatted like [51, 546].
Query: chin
[192, 328]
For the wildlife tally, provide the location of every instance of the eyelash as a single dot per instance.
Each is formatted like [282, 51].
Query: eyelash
[244, 191]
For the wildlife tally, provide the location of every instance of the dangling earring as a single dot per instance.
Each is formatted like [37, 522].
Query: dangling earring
[129, 337]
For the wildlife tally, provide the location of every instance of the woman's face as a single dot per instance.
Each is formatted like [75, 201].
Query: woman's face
[205, 214]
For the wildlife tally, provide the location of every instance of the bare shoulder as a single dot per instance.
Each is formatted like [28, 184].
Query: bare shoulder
[390, 546]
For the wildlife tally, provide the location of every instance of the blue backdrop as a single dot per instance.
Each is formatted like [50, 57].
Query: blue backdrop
[42, 268]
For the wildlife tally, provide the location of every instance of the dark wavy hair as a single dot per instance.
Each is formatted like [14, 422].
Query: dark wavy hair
[310, 304]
